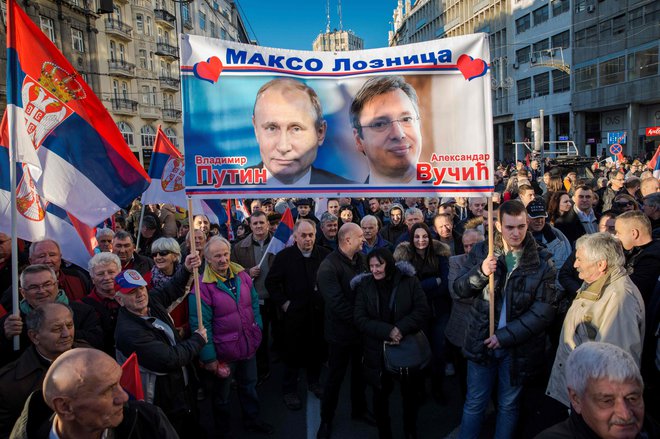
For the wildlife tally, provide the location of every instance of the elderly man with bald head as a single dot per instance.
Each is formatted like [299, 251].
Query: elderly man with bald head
[88, 402]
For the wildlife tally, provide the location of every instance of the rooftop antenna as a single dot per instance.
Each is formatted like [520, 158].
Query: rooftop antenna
[341, 26]
[327, 13]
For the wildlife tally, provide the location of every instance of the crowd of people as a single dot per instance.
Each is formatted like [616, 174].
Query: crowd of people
[575, 263]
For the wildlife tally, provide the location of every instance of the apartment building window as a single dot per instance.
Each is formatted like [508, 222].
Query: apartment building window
[151, 61]
[154, 95]
[560, 6]
[122, 52]
[171, 135]
[652, 13]
[523, 23]
[522, 55]
[185, 13]
[148, 27]
[562, 40]
[144, 91]
[48, 27]
[585, 78]
[524, 87]
[142, 58]
[605, 30]
[540, 15]
[561, 81]
[214, 29]
[116, 13]
[77, 40]
[202, 20]
[541, 45]
[643, 63]
[115, 88]
[619, 24]
[612, 71]
[147, 136]
[139, 23]
[586, 37]
[542, 84]
[168, 101]
[127, 132]
[124, 89]
[113, 50]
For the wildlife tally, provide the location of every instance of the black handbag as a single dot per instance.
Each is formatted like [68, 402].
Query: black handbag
[413, 353]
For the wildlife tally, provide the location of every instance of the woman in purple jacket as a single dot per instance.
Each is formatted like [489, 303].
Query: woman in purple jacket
[230, 314]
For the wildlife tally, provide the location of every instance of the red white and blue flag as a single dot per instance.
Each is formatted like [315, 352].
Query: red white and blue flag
[654, 164]
[213, 209]
[167, 173]
[241, 210]
[282, 237]
[77, 156]
[38, 219]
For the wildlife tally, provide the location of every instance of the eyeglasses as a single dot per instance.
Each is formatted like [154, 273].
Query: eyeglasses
[36, 288]
[383, 125]
[161, 253]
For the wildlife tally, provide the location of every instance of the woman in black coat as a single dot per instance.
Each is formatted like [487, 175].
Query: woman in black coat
[389, 305]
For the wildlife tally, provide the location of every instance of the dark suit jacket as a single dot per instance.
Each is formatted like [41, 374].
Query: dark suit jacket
[318, 176]
[571, 226]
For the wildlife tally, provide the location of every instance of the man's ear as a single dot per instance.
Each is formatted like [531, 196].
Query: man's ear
[574, 398]
[321, 132]
[358, 141]
[62, 406]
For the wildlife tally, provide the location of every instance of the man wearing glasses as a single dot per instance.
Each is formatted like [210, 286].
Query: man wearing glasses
[386, 128]
[39, 286]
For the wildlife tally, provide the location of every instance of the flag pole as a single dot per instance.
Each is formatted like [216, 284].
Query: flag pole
[12, 85]
[139, 232]
[491, 278]
[193, 250]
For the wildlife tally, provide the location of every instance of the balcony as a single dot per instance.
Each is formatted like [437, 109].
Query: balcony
[169, 83]
[149, 112]
[118, 67]
[167, 50]
[118, 28]
[145, 4]
[124, 106]
[188, 23]
[165, 17]
[171, 115]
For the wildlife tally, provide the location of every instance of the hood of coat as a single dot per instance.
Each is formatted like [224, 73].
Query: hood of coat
[404, 268]
[404, 251]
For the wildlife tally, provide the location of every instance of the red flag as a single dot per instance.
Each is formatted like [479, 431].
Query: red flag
[131, 380]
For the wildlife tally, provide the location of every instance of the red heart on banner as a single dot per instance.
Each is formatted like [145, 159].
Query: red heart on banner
[208, 70]
[471, 68]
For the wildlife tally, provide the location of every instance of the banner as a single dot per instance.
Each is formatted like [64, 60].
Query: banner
[263, 122]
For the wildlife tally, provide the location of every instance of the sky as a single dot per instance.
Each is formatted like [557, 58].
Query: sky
[294, 24]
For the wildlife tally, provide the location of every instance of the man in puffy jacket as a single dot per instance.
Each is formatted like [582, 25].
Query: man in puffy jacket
[524, 308]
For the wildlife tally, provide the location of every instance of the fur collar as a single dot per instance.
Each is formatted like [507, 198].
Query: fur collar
[404, 268]
[404, 251]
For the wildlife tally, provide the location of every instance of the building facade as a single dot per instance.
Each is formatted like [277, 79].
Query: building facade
[590, 65]
[337, 41]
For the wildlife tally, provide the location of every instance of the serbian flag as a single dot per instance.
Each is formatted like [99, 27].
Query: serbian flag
[241, 210]
[38, 219]
[654, 164]
[282, 237]
[131, 380]
[167, 173]
[77, 156]
[213, 209]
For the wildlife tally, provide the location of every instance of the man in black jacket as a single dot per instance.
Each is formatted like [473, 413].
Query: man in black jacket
[334, 277]
[524, 307]
[88, 402]
[292, 285]
[144, 327]
[124, 247]
[581, 219]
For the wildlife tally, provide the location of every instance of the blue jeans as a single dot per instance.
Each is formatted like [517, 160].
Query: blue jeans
[480, 382]
[245, 373]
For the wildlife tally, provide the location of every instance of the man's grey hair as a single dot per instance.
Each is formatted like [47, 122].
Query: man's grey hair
[37, 268]
[480, 235]
[213, 240]
[167, 244]
[36, 318]
[34, 245]
[602, 247]
[327, 217]
[412, 211]
[598, 360]
[368, 219]
[105, 232]
[102, 259]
